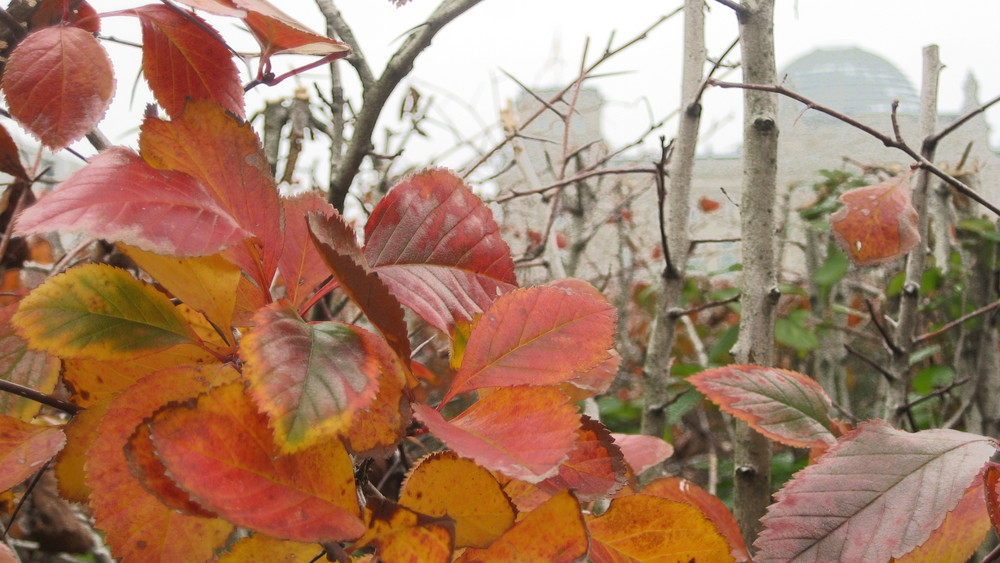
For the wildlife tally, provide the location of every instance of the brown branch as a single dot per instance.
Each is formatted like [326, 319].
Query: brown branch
[886, 337]
[872, 363]
[956, 322]
[335, 22]
[960, 121]
[935, 393]
[882, 137]
[677, 313]
[38, 397]
[573, 179]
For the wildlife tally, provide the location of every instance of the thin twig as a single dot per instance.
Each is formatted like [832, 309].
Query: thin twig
[961, 120]
[935, 393]
[881, 329]
[692, 310]
[573, 179]
[956, 322]
[38, 397]
[960, 186]
[878, 367]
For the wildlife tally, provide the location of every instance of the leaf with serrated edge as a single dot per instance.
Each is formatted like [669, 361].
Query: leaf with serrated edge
[443, 484]
[301, 266]
[10, 157]
[25, 448]
[224, 154]
[991, 486]
[310, 379]
[682, 490]
[649, 528]
[305, 496]
[278, 32]
[147, 468]
[642, 452]
[81, 431]
[522, 432]
[336, 244]
[595, 468]
[437, 247]
[523, 337]
[377, 429]
[867, 499]
[18, 364]
[783, 405]
[402, 534]
[554, 532]
[960, 535]
[137, 525]
[58, 82]
[877, 224]
[97, 311]
[184, 57]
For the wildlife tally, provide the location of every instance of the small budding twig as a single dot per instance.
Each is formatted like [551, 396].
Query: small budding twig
[978, 312]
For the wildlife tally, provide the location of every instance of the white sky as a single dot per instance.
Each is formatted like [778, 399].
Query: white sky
[541, 42]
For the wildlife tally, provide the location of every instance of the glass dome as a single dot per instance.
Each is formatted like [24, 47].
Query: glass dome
[851, 81]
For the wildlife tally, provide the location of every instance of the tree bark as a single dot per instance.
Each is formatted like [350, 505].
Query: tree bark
[758, 283]
[656, 368]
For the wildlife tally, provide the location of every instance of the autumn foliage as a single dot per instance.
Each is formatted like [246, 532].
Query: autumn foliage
[206, 397]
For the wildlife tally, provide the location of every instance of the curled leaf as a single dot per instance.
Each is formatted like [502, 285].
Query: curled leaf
[877, 224]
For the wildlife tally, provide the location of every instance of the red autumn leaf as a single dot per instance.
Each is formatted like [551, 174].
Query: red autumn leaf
[301, 266]
[224, 154]
[19, 364]
[311, 379]
[10, 157]
[642, 452]
[641, 528]
[25, 448]
[277, 32]
[522, 339]
[595, 468]
[184, 57]
[877, 224]
[991, 485]
[443, 484]
[554, 532]
[593, 381]
[338, 247]
[58, 83]
[113, 198]
[960, 535]
[708, 205]
[783, 405]
[305, 496]
[401, 534]
[682, 490]
[867, 498]
[149, 470]
[73, 12]
[437, 247]
[137, 526]
[522, 432]
[218, 7]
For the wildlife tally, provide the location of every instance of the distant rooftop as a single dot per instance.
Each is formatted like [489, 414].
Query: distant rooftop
[850, 80]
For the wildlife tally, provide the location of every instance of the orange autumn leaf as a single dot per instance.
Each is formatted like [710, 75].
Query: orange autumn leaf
[401, 534]
[305, 496]
[554, 532]
[137, 526]
[642, 452]
[595, 468]
[25, 449]
[377, 429]
[522, 432]
[58, 83]
[960, 535]
[260, 548]
[707, 204]
[312, 379]
[81, 431]
[877, 224]
[639, 528]
[149, 470]
[522, 338]
[682, 490]
[443, 484]
[277, 32]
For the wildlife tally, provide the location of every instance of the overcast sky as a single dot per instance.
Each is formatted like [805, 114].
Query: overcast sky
[541, 42]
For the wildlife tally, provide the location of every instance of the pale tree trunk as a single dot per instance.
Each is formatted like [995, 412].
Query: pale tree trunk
[758, 283]
[906, 326]
[656, 369]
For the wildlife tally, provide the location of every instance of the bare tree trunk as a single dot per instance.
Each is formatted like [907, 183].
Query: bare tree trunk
[656, 369]
[906, 327]
[758, 283]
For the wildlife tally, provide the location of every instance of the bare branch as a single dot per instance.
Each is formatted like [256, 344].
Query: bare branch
[38, 397]
[978, 312]
[336, 25]
[935, 138]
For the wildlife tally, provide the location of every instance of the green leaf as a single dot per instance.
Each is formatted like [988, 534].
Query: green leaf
[834, 268]
[97, 311]
[932, 377]
[793, 331]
